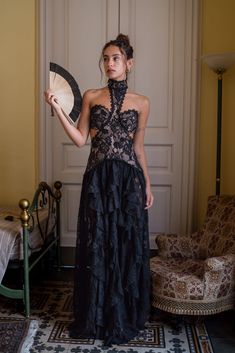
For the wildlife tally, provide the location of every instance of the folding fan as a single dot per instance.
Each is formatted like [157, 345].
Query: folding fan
[67, 92]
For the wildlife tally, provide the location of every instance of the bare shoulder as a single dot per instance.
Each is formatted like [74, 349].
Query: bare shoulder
[93, 92]
[91, 95]
[141, 101]
[144, 101]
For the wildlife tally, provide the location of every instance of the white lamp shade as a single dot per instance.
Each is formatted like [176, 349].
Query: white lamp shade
[219, 61]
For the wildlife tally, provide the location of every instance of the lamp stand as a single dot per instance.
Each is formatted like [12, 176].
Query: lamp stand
[219, 63]
[219, 129]
[219, 133]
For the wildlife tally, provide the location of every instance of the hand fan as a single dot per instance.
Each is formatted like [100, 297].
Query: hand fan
[67, 92]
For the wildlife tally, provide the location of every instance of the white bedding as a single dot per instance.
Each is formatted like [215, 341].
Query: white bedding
[11, 240]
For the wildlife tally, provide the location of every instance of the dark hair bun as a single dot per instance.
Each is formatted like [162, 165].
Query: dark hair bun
[124, 39]
[123, 43]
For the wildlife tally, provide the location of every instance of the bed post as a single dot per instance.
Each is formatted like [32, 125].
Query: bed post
[58, 186]
[24, 216]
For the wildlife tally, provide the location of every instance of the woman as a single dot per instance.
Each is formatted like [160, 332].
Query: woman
[111, 294]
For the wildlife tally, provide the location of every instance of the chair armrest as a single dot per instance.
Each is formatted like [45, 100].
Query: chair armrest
[219, 276]
[174, 245]
[219, 263]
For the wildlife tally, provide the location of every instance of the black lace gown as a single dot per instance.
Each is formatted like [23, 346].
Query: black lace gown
[111, 294]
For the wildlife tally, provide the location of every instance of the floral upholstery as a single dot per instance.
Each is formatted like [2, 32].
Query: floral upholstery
[195, 274]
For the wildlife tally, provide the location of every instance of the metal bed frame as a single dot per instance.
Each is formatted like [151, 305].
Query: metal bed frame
[48, 199]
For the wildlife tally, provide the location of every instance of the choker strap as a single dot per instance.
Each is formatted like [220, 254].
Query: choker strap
[117, 85]
[117, 91]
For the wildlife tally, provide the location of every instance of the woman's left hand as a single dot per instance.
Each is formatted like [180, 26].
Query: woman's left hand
[149, 197]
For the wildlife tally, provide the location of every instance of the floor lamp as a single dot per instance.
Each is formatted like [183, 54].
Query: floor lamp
[219, 63]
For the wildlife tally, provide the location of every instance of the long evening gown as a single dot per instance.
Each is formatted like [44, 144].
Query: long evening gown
[111, 292]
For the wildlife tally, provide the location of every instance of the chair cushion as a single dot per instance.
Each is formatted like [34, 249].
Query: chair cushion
[179, 278]
[174, 245]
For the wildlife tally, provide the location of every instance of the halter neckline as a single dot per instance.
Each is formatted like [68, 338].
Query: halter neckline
[117, 91]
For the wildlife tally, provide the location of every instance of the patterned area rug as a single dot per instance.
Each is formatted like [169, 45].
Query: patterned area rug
[51, 305]
[16, 335]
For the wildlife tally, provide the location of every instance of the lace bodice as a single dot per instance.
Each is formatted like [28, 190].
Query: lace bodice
[113, 130]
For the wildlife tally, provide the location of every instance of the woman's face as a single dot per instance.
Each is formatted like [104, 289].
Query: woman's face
[115, 64]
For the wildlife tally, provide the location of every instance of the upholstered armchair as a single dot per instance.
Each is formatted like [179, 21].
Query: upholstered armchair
[195, 274]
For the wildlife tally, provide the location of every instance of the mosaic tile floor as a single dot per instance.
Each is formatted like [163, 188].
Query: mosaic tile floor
[51, 304]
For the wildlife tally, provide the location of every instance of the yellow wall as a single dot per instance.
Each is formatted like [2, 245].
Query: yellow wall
[218, 29]
[17, 97]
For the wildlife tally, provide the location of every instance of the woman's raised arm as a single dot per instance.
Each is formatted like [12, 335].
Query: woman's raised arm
[78, 134]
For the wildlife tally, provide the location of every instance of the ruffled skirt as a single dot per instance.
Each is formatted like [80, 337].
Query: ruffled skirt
[112, 278]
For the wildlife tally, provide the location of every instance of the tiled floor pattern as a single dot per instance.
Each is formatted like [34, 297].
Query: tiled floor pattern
[221, 327]
[52, 308]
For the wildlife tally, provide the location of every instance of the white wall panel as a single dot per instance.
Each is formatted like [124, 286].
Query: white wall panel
[69, 212]
[159, 157]
[159, 214]
[73, 158]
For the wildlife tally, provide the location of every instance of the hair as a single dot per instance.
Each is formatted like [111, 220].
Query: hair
[123, 43]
